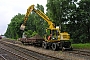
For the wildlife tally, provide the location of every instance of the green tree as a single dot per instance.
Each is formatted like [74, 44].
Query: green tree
[60, 10]
[34, 25]
[28, 33]
[13, 30]
[78, 24]
[84, 7]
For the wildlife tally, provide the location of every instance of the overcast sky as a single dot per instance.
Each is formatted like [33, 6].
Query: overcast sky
[10, 8]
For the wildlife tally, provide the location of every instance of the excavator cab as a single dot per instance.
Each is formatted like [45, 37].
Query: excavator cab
[56, 40]
[54, 34]
[51, 35]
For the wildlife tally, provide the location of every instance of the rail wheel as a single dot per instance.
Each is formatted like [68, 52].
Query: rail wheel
[44, 45]
[54, 46]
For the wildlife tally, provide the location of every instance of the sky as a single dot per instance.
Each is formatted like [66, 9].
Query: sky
[10, 8]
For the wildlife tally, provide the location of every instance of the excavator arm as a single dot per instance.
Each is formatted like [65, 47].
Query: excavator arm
[29, 10]
[40, 13]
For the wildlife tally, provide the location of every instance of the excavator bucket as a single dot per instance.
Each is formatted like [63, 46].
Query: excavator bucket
[22, 27]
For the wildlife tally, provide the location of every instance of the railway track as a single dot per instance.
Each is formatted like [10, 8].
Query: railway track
[30, 53]
[80, 53]
[2, 57]
[6, 54]
[14, 54]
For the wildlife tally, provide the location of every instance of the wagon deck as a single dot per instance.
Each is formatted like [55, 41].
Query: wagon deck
[37, 39]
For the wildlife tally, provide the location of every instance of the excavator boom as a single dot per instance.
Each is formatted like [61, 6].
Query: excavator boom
[40, 13]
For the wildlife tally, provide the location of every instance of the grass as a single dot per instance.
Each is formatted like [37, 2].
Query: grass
[81, 46]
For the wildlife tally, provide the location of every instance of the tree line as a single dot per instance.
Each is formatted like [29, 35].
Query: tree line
[72, 16]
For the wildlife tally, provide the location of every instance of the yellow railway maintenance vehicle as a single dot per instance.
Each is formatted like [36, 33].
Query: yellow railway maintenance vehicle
[53, 38]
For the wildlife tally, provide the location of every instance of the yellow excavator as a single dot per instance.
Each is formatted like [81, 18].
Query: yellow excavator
[53, 38]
